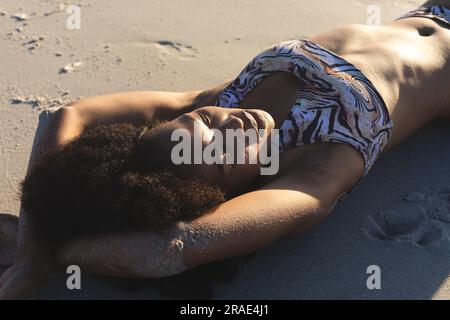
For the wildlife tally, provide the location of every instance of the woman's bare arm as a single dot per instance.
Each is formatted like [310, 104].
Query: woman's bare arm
[299, 199]
[135, 107]
[240, 226]
[67, 123]
[139, 106]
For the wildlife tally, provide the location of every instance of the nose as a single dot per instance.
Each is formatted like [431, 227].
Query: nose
[232, 123]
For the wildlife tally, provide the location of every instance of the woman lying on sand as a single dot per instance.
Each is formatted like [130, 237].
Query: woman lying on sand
[102, 190]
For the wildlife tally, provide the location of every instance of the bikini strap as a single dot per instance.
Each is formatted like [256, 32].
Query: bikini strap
[440, 13]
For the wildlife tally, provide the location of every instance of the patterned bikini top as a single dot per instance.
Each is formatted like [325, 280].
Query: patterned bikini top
[336, 101]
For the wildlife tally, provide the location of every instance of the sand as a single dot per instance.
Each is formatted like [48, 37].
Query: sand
[398, 219]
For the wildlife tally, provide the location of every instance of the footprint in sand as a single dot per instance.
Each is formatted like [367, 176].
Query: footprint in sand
[169, 49]
[426, 223]
[439, 207]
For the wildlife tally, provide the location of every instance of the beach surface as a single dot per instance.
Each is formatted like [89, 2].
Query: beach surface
[397, 220]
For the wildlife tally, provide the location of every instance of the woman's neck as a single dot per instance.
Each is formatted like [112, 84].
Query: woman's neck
[275, 94]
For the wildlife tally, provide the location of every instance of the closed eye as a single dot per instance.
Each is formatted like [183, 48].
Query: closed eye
[205, 118]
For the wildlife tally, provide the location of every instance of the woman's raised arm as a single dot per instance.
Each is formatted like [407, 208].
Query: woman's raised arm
[300, 198]
[139, 106]
[33, 258]
[238, 227]
[135, 107]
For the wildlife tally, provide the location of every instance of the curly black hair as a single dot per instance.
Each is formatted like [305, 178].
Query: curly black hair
[95, 184]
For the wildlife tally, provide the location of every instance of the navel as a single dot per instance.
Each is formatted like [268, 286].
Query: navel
[426, 31]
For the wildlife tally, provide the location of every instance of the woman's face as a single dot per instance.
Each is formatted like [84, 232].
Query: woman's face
[203, 126]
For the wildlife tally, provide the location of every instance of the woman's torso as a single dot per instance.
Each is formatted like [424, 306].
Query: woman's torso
[405, 61]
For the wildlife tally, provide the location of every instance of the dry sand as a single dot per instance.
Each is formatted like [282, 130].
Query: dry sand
[398, 219]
